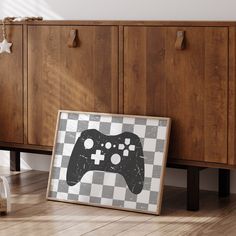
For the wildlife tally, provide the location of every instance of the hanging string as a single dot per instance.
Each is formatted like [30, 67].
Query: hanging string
[14, 19]
[4, 34]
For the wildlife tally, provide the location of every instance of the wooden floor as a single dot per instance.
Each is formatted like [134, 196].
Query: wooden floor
[33, 215]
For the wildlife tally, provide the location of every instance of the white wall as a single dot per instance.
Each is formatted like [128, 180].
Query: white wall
[123, 10]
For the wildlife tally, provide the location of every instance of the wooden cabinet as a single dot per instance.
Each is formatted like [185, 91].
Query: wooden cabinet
[11, 89]
[123, 67]
[129, 67]
[189, 85]
[83, 78]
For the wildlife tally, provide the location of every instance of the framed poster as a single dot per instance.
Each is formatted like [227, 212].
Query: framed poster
[109, 160]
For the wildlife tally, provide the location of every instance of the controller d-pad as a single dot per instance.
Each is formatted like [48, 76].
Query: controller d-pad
[88, 143]
[97, 157]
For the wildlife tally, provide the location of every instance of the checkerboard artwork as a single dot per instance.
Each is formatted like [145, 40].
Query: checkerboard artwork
[108, 147]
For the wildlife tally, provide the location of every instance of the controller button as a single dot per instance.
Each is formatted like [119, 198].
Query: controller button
[126, 153]
[127, 141]
[114, 145]
[115, 159]
[97, 157]
[108, 145]
[121, 147]
[132, 147]
[88, 143]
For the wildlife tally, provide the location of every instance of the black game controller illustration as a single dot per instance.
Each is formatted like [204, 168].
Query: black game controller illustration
[122, 154]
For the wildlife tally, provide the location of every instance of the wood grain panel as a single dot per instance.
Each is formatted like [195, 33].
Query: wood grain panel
[131, 23]
[134, 70]
[144, 73]
[155, 71]
[232, 97]
[83, 78]
[189, 85]
[121, 69]
[216, 94]
[11, 89]
[185, 85]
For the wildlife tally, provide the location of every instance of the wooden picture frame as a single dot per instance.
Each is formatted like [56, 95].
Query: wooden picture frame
[109, 160]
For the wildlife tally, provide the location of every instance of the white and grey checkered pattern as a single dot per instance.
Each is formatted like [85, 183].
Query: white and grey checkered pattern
[105, 188]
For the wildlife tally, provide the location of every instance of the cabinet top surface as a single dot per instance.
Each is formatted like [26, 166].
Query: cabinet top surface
[127, 23]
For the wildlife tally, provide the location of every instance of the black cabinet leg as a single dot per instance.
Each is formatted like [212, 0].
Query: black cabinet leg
[14, 161]
[224, 183]
[193, 188]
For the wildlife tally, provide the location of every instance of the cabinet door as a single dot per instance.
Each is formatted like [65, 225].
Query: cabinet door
[11, 88]
[188, 85]
[84, 78]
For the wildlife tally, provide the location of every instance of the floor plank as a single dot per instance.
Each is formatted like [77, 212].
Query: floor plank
[5, 171]
[33, 215]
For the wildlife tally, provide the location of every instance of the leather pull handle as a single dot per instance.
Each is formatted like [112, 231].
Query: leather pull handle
[73, 39]
[180, 40]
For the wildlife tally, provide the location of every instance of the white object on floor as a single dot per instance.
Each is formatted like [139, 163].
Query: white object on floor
[5, 198]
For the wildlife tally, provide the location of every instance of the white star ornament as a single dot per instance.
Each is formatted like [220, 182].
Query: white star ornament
[5, 46]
